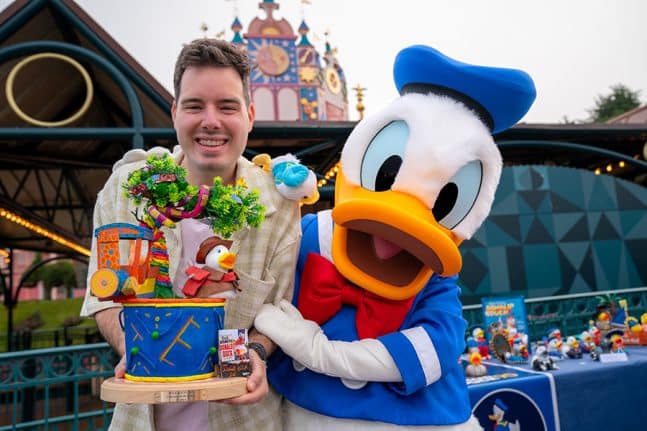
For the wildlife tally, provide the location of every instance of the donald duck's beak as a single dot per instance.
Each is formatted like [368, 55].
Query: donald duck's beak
[408, 244]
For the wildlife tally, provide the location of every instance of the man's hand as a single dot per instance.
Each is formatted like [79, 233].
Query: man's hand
[108, 323]
[257, 386]
[120, 368]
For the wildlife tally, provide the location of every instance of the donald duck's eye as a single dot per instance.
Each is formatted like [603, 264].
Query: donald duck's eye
[383, 157]
[456, 199]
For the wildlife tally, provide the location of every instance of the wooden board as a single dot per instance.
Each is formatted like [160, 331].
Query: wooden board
[130, 392]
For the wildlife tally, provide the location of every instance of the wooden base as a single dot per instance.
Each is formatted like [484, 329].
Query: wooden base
[130, 392]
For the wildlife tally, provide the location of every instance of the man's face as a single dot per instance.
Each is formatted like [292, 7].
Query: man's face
[212, 122]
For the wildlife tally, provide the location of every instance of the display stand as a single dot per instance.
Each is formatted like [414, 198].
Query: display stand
[131, 392]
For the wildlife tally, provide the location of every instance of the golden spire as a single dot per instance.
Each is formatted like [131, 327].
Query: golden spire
[360, 98]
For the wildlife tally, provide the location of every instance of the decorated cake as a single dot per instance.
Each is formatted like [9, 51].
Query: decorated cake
[171, 338]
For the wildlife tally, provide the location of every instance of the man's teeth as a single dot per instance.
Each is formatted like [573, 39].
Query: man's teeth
[211, 142]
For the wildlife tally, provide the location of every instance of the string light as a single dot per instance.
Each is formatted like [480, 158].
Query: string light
[597, 171]
[14, 218]
[332, 172]
[609, 167]
[5, 255]
[621, 163]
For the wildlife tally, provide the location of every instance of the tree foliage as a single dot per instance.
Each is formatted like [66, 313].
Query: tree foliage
[621, 100]
[55, 274]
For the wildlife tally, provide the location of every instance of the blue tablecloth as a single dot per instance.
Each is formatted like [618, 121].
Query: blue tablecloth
[583, 395]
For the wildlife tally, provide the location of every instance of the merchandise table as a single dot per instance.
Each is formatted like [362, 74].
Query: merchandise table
[582, 395]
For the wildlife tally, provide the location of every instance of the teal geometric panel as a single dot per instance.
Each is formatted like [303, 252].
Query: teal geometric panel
[555, 231]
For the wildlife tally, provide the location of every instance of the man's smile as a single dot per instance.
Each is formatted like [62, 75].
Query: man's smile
[211, 142]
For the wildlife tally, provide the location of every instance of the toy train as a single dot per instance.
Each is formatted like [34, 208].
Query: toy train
[123, 262]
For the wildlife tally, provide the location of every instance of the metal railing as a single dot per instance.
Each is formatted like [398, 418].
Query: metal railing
[49, 338]
[55, 389]
[570, 313]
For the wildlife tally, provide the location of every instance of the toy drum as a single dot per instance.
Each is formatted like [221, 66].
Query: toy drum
[171, 340]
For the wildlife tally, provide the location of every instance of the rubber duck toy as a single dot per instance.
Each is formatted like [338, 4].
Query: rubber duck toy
[518, 353]
[293, 180]
[617, 342]
[634, 325]
[554, 333]
[376, 318]
[475, 368]
[555, 349]
[595, 333]
[214, 254]
[574, 350]
[603, 321]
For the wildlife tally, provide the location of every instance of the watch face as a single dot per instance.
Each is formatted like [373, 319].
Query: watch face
[332, 81]
[272, 60]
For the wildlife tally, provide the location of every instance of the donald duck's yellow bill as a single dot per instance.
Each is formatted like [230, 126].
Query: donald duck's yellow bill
[389, 242]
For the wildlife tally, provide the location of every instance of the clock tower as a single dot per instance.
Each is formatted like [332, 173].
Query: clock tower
[287, 80]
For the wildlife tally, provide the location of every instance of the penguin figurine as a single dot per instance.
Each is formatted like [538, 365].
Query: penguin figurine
[214, 253]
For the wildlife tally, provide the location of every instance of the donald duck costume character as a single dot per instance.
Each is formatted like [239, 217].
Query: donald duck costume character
[376, 337]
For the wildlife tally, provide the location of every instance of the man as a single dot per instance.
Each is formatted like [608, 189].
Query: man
[212, 115]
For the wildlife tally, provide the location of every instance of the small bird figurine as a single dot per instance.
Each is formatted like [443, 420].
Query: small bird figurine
[634, 325]
[475, 368]
[214, 253]
[617, 344]
[263, 161]
[293, 180]
[574, 350]
[555, 349]
[481, 342]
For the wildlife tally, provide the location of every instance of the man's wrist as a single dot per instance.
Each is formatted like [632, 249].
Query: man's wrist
[259, 349]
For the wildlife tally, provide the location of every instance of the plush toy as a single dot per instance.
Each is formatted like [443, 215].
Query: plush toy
[376, 337]
[293, 180]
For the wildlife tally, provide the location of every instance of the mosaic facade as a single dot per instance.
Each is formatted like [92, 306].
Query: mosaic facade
[556, 231]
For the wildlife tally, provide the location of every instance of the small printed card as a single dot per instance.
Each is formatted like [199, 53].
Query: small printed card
[614, 357]
[233, 357]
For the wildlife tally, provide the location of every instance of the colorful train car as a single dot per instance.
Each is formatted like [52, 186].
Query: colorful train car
[123, 262]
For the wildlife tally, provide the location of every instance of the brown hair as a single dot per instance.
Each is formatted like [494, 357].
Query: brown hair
[212, 52]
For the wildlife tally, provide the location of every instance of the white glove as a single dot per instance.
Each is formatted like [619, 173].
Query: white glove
[305, 342]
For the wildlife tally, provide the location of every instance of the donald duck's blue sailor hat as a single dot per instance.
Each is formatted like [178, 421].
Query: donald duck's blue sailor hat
[500, 404]
[499, 96]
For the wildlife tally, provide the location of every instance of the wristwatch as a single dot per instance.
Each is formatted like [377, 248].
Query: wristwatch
[259, 349]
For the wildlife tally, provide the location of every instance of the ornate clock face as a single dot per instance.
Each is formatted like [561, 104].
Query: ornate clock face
[272, 60]
[332, 80]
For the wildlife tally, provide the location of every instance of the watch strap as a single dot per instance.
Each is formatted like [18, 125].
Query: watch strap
[259, 349]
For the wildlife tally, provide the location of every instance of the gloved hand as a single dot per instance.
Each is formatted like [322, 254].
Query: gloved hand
[305, 342]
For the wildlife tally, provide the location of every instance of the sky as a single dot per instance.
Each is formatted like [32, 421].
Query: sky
[574, 50]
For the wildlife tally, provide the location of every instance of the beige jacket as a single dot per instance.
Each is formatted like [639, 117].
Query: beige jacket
[265, 262]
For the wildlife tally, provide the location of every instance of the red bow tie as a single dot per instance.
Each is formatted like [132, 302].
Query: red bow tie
[324, 290]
